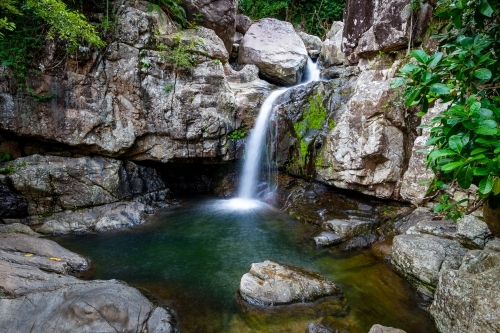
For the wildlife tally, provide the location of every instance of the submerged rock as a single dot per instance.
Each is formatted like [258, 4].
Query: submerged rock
[317, 328]
[276, 49]
[467, 299]
[270, 283]
[383, 329]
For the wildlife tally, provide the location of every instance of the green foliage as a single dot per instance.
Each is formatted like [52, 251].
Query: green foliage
[5, 157]
[314, 16]
[168, 88]
[173, 9]
[237, 134]
[465, 72]
[181, 54]
[30, 22]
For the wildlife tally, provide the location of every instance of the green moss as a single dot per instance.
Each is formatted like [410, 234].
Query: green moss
[237, 134]
[312, 118]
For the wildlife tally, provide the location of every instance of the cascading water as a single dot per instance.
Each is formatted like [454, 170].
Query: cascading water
[256, 144]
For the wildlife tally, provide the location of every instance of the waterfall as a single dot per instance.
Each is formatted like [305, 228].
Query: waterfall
[256, 144]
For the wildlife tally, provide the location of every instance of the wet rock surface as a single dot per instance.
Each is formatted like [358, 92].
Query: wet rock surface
[317, 328]
[271, 283]
[276, 49]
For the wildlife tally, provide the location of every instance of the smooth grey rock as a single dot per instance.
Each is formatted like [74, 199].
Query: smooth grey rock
[17, 228]
[440, 228]
[334, 29]
[243, 23]
[52, 184]
[493, 245]
[349, 228]
[313, 54]
[270, 283]
[276, 49]
[237, 40]
[384, 329]
[331, 50]
[93, 306]
[467, 299]
[217, 15]
[421, 258]
[37, 252]
[420, 214]
[327, 238]
[472, 232]
[311, 42]
[317, 328]
[101, 218]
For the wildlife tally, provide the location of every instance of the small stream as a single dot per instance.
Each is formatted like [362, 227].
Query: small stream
[192, 257]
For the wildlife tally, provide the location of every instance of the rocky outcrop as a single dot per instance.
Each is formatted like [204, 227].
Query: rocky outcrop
[373, 160]
[37, 295]
[414, 186]
[53, 184]
[131, 100]
[467, 298]
[374, 26]
[84, 194]
[276, 49]
[422, 257]
[472, 232]
[218, 15]
[331, 49]
[270, 283]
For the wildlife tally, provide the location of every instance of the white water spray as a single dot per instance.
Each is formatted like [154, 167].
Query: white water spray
[256, 142]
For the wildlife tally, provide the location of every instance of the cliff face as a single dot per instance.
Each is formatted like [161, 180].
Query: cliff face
[131, 100]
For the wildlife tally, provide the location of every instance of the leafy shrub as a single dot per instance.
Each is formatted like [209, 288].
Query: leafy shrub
[465, 138]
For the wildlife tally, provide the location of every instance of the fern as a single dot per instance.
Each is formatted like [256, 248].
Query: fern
[172, 8]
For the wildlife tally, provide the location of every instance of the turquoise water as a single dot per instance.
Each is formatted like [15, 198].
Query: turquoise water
[192, 258]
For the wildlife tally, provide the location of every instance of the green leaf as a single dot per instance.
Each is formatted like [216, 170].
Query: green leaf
[398, 82]
[483, 73]
[440, 89]
[412, 99]
[408, 68]
[455, 143]
[496, 186]
[485, 8]
[486, 130]
[486, 185]
[480, 172]
[441, 153]
[478, 151]
[496, 151]
[464, 177]
[435, 59]
[420, 55]
[466, 42]
[452, 166]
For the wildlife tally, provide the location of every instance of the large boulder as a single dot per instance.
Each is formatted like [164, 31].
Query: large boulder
[421, 258]
[243, 23]
[467, 299]
[311, 42]
[218, 15]
[271, 283]
[373, 26]
[132, 100]
[472, 232]
[276, 49]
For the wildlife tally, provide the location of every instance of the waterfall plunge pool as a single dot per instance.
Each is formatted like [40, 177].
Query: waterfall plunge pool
[192, 258]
